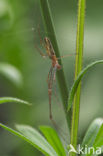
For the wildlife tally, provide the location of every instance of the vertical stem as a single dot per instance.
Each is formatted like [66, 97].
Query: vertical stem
[50, 30]
[78, 68]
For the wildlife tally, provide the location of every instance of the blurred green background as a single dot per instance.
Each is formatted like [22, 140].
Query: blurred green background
[19, 21]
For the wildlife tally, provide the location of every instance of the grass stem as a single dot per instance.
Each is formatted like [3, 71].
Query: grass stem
[50, 31]
[78, 68]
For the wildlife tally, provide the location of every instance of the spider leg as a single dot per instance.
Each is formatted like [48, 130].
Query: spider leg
[50, 82]
[51, 76]
[50, 85]
[66, 56]
[41, 40]
[41, 53]
[42, 44]
[55, 94]
[49, 73]
[51, 79]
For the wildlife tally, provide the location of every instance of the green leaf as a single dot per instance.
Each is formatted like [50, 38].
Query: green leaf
[11, 99]
[99, 138]
[54, 140]
[77, 81]
[94, 135]
[92, 132]
[33, 137]
[12, 73]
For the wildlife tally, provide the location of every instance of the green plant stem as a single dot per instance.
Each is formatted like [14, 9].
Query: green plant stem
[50, 30]
[78, 68]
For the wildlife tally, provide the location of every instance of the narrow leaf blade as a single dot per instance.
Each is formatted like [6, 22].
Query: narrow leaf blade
[11, 99]
[33, 137]
[94, 136]
[99, 138]
[77, 81]
[53, 138]
[92, 132]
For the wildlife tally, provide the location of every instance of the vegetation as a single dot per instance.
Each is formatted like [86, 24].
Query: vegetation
[47, 140]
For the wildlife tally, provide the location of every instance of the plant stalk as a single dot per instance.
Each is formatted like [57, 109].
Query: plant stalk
[78, 68]
[50, 31]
